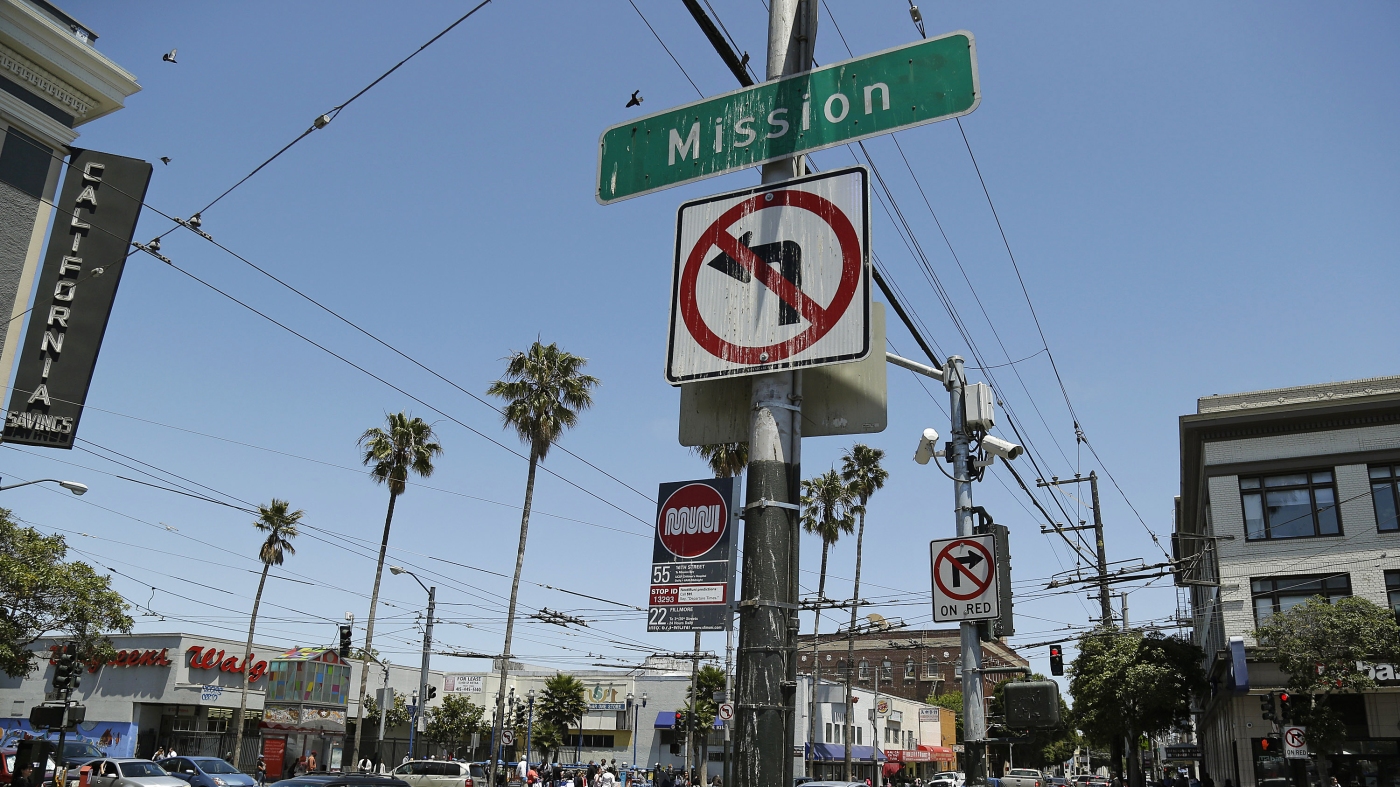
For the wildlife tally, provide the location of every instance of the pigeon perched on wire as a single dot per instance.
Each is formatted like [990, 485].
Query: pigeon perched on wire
[168, 57]
[636, 99]
[165, 160]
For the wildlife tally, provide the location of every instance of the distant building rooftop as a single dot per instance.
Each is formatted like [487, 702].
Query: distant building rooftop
[1298, 394]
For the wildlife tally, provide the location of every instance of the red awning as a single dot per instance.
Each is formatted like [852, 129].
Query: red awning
[940, 753]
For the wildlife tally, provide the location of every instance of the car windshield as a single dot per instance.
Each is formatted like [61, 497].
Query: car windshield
[215, 765]
[137, 769]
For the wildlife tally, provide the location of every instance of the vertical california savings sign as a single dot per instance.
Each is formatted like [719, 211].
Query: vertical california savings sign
[96, 218]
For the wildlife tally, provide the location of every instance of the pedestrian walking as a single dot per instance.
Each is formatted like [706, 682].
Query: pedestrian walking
[160, 754]
[311, 763]
[262, 771]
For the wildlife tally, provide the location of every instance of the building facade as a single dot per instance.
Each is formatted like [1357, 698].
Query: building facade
[182, 691]
[1288, 494]
[52, 81]
[913, 665]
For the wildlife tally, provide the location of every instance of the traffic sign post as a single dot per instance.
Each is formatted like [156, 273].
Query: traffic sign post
[929, 80]
[965, 579]
[1295, 742]
[725, 712]
[772, 277]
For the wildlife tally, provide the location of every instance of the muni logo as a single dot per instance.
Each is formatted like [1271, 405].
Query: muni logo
[692, 520]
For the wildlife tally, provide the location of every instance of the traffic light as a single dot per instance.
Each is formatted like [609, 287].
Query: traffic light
[345, 642]
[1057, 660]
[65, 673]
[432, 692]
[1266, 707]
[1285, 707]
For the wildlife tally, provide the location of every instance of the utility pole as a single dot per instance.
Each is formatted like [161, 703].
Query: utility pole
[423, 671]
[1105, 604]
[1124, 597]
[767, 687]
[974, 710]
[690, 714]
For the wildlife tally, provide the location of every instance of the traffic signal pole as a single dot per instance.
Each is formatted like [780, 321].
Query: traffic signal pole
[974, 710]
[423, 671]
[765, 716]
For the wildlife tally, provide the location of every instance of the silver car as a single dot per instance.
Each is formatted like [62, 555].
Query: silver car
[130, 773]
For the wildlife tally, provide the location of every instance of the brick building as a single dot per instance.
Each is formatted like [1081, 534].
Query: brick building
[909, 664]
[1289, 494]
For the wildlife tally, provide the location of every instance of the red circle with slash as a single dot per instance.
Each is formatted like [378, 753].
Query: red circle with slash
[981, 584]
[820, 319]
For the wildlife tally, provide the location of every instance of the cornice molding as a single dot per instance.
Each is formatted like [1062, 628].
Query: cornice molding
[48, 85]
[36, 123]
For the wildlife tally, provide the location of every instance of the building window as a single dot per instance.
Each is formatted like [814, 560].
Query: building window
[1385, 497]
[863, 670]
[887, 670]
[1280, 594]
[828, 732]
[931, 668]
[218, 719]
[909, 668]
[1392, 589]
[859, 736]
[1297, 505]
[590, 741]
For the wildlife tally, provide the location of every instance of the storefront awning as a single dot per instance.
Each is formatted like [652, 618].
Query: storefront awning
[837, 751]
[940, 753]
[666, 719]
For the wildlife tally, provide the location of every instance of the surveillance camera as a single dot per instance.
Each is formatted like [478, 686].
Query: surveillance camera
[1002, 448]
[928, 446]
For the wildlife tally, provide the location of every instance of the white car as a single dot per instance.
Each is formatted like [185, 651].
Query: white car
[947, 779]
[130, 773]
[441, 773]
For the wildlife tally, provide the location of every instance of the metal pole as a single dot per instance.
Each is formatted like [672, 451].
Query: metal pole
[1105, 609]
[729, 696]
[875, 713]
[530, 728]
[974, 713]
[690, 747]
[413, 723]
[1124, 597]
[422, 708]
[768, 610]
[812, 700]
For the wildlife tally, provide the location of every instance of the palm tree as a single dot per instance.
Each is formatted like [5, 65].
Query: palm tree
[709, 680]
[563, 704]
[827, 511]
[861, 470]
[280, 525]
[404, 445]
[725, 459]
[544, 390]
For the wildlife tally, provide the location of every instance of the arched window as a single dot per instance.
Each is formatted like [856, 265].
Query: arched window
[863, 670]
[887, 669]
[909, 668]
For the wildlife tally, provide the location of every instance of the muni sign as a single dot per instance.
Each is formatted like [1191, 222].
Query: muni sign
[929, 80]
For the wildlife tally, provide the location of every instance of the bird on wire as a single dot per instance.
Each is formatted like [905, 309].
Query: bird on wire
[636, 99]
[165, 160]
[168, 57]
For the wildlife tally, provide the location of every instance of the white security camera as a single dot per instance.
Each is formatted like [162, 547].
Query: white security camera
[928, 446]
[1002, 448]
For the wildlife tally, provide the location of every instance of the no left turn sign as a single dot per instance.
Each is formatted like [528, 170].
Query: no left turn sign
[772, 277]
[964, 579]
[726, 711]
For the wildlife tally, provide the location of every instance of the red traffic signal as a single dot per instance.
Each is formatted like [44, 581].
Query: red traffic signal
[1057, 660]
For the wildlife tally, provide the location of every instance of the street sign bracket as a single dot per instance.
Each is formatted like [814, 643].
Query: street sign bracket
[756, 602]
[774, 403]
[765, 503]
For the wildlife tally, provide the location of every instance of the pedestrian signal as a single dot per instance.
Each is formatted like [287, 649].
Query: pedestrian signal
[1057, 660]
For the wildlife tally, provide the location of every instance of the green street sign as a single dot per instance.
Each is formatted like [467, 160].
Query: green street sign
[929, 80]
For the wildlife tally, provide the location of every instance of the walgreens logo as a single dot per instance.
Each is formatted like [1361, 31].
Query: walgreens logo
[692, 520]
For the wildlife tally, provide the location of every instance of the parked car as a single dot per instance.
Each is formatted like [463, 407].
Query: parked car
[341, 780]
[130, 773]
[441, 773]
[1023, 777]
[834, 784]
[206, 772]
[947, 779]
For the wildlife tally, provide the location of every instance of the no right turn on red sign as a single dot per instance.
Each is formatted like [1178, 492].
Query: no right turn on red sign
[964, 579]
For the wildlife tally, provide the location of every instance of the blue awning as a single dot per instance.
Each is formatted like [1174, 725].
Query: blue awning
[837, 751]
[666, 719]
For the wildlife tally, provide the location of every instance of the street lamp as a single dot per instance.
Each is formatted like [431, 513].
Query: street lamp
[75, 487]
[631, 703]
[419, 708]
[530, 725]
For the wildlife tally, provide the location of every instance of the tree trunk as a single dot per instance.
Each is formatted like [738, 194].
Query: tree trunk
[510, 610]
[816, 664]
[351, 755]
[247, 657]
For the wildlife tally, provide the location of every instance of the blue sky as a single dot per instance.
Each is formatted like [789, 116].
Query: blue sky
[1201, 198]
